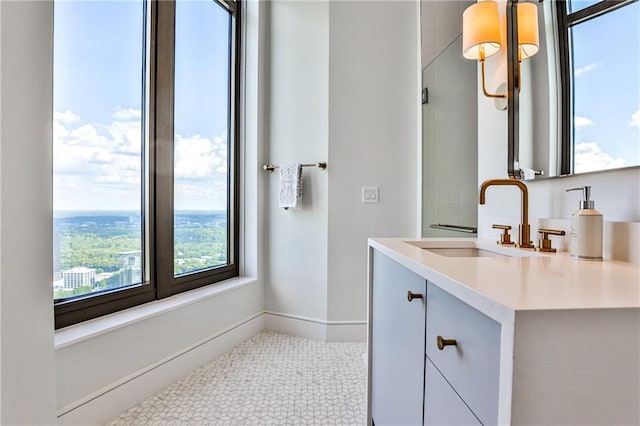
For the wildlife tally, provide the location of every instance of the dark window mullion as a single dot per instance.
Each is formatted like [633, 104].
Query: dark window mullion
[566, 120]
[164, 104]
[73, 312]
[595, 10]
[148, 151]
[231, 154]
[234, 224]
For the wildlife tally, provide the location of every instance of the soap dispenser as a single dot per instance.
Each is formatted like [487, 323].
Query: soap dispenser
[586, 228]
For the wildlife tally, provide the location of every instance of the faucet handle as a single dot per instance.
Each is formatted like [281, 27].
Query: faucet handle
[545, 241]
[505, 238]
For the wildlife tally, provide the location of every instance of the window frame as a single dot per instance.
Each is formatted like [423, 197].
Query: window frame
[566, 21]
[157, 176]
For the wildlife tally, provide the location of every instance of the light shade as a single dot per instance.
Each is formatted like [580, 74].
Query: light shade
[528, 29]
[481, 30]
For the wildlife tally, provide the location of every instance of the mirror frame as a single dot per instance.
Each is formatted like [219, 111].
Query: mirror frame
[513, 93]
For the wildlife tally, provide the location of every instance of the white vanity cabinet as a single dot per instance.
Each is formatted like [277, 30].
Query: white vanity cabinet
[397, 357]
[406, 387]
[522, 341]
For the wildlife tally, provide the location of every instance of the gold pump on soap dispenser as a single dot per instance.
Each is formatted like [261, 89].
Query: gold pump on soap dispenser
[586, 228]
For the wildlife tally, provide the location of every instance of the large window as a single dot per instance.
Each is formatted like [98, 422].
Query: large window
[145, 151]
[600, 65]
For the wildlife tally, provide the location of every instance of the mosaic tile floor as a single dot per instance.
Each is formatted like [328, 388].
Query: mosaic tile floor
[271, 379]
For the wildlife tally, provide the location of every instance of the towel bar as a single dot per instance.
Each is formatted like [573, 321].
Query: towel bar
[457, 228]
[321, 165]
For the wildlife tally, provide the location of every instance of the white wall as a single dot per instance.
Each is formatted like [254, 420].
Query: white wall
[298, 133]
[374, 131]
[344, 89]
[27, 383]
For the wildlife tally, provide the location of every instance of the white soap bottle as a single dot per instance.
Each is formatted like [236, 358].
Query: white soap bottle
[586, 229]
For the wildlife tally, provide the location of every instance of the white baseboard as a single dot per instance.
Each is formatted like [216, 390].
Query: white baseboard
[316, 329]
[297, 326]
[112, 400]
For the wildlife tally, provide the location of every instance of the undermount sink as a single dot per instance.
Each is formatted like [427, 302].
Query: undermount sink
[456, 247]
[464, 252]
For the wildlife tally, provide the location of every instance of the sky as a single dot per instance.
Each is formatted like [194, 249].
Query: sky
[607, 90]
[98, 104]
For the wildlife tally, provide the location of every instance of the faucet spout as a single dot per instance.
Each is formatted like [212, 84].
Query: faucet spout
[524, 236]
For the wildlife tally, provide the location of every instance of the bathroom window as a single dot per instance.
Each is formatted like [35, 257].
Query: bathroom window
[145, 152]
[600, 64]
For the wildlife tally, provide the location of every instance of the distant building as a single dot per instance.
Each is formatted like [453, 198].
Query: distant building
[130, 267]
[79, 277]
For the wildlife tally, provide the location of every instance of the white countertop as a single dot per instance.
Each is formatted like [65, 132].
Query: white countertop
[551, 281]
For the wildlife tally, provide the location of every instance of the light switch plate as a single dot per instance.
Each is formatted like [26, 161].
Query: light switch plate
[370, 194]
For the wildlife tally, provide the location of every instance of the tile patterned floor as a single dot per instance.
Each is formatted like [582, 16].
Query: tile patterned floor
[271, 379]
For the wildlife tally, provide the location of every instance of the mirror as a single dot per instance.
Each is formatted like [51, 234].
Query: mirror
[600, 104]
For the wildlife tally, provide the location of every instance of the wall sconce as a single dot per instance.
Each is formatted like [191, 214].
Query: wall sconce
[481, 38]
[527, 30]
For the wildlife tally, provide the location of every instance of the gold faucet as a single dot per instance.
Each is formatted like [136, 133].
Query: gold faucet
[524, 234]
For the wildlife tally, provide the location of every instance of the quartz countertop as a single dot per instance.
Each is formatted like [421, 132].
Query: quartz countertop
[523, 280]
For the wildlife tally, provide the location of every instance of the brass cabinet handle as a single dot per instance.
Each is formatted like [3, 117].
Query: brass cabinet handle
[446, 342]
[411, 296]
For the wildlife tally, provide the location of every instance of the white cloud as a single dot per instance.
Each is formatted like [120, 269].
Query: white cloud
[582, 121]
[99, 166]
[65, 117]
[589, 157]
[94, 166]
[87, 136]
[127, 136]
[59, 131]
[200, 158]
[127, 114]
[635, 119]
[200, 172]
[586, 69]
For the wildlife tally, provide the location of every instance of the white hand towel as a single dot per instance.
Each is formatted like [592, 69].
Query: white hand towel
[290, 185]
[528, 174]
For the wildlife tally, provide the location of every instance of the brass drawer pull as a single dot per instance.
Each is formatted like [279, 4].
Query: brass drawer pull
[446, 342]
[411, 296]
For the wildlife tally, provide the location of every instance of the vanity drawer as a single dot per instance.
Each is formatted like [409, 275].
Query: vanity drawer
[472, 365]
[442, 406]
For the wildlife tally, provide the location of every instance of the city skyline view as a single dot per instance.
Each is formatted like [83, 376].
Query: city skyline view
[100, 250]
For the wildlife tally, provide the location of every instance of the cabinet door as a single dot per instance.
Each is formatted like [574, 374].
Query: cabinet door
[442, 406]
[398, 327]
[472, 366]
